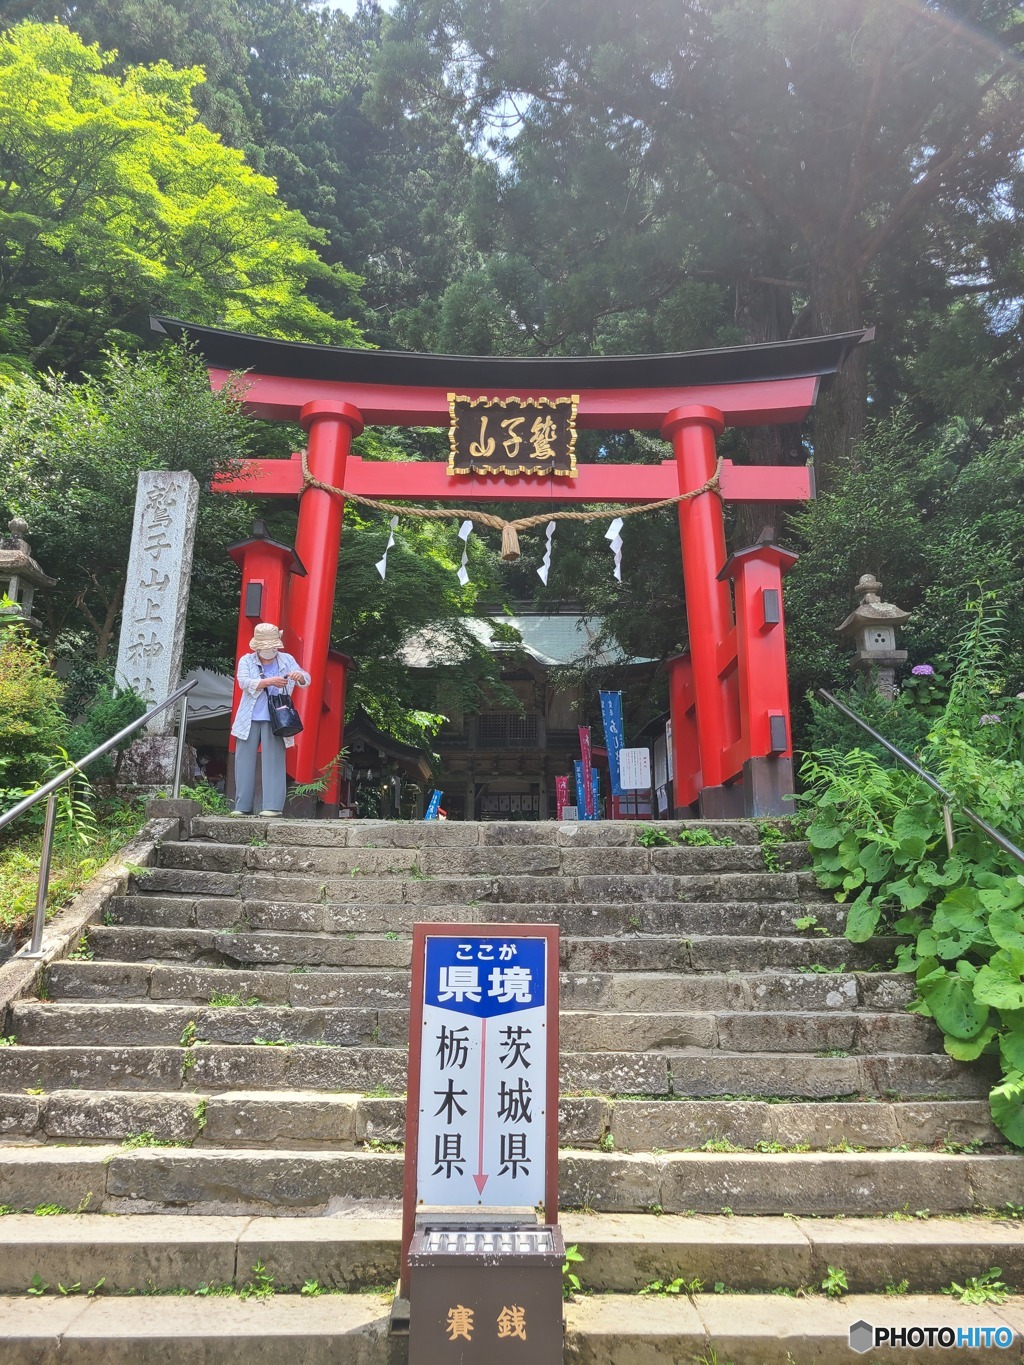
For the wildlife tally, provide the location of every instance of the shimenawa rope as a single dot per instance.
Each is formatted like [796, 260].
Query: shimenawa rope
[509, 529]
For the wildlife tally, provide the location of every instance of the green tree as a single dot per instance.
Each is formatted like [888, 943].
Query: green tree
[72, 452]
[115, 200]
[799, 154]
[292, 84]
[32, 724]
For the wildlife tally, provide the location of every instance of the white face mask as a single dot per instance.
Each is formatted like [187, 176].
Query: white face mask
[267, 654]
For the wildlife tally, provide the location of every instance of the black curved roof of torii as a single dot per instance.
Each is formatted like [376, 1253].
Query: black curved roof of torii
[822, 356]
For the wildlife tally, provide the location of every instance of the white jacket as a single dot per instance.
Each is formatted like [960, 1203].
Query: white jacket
[249, 678]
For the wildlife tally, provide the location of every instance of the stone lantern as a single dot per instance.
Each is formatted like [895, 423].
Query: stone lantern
[20, 575]
[872, 626]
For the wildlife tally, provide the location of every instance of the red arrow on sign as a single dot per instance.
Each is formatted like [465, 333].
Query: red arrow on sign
[480, 1180]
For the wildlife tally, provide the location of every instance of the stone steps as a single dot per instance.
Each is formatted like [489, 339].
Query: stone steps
[632, 952]
[622, 1253]
[727, 1329]
[231, 913]
[455, 835]
[636, 889]
[328, 1330]
[381, 988]
[536, 859]
[710, 1329]
[743, 1101]
[299, 1066]
[308, 1119]
[97, 1179]
[135, 1025]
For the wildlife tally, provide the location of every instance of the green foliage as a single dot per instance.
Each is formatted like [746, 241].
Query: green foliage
[32, 723]
[147, 1139]
[119, 201]
[665, 1288]
[212, 801]
[570, 1280]
[72, 456]
[834, 1284]
[930, 512]
[986, 1288]
[71, 866]
[109, 711]
[770, 836]
[653, 836]
[260, 1286]
[878, 842]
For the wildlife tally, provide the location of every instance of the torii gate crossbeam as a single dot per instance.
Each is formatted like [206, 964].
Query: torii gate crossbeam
[731, 748]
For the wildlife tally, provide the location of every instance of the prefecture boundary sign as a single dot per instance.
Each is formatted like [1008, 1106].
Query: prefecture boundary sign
[482, 1109]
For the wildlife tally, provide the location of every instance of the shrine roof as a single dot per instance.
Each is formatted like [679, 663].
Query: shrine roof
[809, 356]
[550, 639]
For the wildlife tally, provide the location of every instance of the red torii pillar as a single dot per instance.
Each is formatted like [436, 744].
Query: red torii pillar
[332, 425]
[765, 746]
[692, 431]
[266, 567]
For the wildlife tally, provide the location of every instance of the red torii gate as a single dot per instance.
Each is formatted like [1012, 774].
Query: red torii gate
[731, 745]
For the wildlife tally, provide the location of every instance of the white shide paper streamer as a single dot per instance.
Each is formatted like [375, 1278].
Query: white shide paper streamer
[615, 544]
[542, 572]
[465, 531]
[382, 564]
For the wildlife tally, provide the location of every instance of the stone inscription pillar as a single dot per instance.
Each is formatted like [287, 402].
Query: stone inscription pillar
[156, 590]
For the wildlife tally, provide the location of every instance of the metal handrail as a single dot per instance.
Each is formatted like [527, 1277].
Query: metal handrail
[49, 789]
[948, 799]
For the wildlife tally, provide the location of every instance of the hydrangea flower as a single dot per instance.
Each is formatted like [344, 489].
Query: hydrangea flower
[991, 720]
[922, 671]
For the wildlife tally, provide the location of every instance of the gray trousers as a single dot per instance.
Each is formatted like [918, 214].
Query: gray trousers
[275, 782]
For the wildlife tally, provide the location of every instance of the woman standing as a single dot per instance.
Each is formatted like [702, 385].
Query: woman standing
[267, 666]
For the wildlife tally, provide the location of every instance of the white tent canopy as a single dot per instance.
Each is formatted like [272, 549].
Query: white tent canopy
[212, 696]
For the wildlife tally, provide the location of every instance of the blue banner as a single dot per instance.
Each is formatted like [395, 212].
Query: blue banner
[581, 808]
[614, 735]
[435, 806]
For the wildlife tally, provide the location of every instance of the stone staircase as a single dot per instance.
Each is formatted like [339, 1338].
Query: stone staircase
[746, 1104]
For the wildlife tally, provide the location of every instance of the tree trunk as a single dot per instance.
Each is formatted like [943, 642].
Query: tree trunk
[842, 404]
[765, 313]
[107, 629]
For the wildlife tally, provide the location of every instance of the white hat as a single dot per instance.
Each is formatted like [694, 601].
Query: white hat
[266, 636]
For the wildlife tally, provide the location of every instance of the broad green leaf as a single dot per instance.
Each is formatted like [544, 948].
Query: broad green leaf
[862, 919]
[1006, 1103]
[1009, 895]
[824, 834]
[952, 872]
[849, 853]
[968, 1050]
[910, 894]
[951, 1003]
[1001, 981]
[876, 862]
[913, 829]
[960, 923]
[927, 944]
[1007, 929]
[1011, 1049]
[907, 959]
[914, 846]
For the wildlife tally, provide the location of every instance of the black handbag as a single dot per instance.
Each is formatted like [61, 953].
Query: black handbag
[284, 719]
